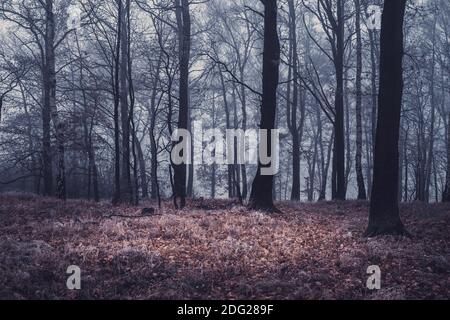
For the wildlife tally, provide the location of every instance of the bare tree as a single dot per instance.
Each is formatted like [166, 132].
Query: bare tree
[261, 197]
[384, 210]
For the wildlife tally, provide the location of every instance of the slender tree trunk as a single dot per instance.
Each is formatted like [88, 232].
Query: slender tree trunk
[405, 159]
[47, 161]
[51, 100]
[153, 143]
[125, 183]
[348, 145]
[384, 210]
[323, 191]
[446, 194]
[293, 105]
[230, 170]
[142, 169]
[359, 132]
[190, 167]
[236, 167]
[339, 150]
[116, 88]
[244, 127]
[433, 116]
[374, 57]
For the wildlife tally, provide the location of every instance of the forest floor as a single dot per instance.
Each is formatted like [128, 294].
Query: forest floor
[218, 250]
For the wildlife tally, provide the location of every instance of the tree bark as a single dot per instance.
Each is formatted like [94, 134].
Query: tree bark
[339, 151]
[125, 183]
[293, 105]
[50, 99]
[262, 191]
[116, 88]
[184, 41]
[384, 209]
[446, 194]
[359, 132]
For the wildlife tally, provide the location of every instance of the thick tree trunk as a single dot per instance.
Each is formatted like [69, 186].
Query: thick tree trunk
[384, 210]
[262, 191]
[184, 40]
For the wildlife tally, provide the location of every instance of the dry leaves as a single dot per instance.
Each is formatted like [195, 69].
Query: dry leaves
[217, 250]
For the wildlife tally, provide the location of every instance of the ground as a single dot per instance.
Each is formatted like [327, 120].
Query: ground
[217, 250]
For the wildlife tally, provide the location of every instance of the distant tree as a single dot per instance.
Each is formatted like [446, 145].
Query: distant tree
[295, 121]
[362, 195]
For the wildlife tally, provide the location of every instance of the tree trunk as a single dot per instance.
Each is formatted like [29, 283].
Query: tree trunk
[142, 169]
[125, 183]
[339, 151]
[116, 88]
[153, 143]
[262, 191]
[384, 210]
[293, 105]
[184, 41]
[228, 125]
[433, 116]
[50, 66]
[358, 161]
[446, 194]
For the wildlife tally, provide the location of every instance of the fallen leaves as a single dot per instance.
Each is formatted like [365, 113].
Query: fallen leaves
[218, 250]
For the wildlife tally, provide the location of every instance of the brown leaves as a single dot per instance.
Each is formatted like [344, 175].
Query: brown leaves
[218, 250]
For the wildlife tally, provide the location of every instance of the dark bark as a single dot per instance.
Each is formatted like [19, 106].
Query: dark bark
[384, 209]
[184, 41]
[339, 150]
[293, 105]
[261, 197]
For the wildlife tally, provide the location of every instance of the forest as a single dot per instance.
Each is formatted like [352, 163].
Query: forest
[234, 149]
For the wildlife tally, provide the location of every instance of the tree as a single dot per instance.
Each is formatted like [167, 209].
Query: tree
[261, 197]
[295, 126]
[331, 15]
[184, 41]
[125, 183]
[359, 132]
[43, 34]
[384, 210]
